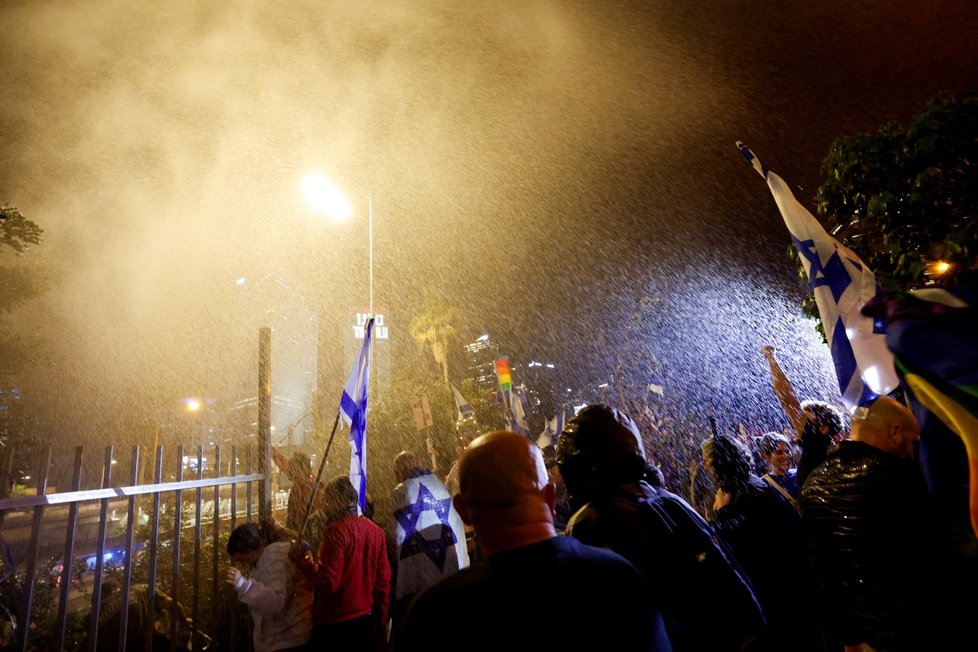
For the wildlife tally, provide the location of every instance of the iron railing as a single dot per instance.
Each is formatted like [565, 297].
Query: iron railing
[142, 503]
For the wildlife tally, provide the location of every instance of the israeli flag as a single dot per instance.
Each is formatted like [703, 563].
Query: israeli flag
[465, 410]
[518, 412]
[353, 409]
[554, 427]
[429, 533]
[842, 285]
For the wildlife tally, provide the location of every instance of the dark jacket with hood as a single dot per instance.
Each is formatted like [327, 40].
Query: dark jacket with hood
[691, 571]
[602, 460]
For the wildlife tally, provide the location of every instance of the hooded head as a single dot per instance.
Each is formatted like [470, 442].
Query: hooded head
[599, 450]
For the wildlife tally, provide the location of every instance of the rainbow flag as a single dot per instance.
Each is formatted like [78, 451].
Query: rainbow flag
[933, 335]
[504, 375]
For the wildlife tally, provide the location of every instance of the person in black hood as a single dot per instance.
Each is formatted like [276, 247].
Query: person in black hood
[601, 457]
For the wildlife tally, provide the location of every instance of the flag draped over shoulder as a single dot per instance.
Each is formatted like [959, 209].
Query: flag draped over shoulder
[465, 410]
[933, 334]
[429, 533]
[353, 409]
[842, 284]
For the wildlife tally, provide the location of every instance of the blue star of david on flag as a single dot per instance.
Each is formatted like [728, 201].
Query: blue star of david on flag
[409, 515]
[842, 284]
[429, 534]
[435, 549]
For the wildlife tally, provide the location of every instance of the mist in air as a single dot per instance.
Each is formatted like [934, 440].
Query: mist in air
[551, 169]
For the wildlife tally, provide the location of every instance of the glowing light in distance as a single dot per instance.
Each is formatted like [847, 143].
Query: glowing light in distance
[325, 198]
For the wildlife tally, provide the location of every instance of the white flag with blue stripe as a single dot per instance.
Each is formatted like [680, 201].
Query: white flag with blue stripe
[465, 410]
[554, 427]
[353, 409]
[842, 284]
[518, 411]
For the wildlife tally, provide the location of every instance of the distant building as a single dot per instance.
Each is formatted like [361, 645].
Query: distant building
[480, 356]
[380, 349]
[294, 359]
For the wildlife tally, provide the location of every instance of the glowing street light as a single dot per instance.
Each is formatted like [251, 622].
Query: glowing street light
[936, 269]
[327, 200]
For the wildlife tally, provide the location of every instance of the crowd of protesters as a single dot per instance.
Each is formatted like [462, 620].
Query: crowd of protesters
[822, 538]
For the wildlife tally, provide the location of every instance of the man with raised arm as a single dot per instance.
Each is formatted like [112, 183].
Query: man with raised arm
[817, 424]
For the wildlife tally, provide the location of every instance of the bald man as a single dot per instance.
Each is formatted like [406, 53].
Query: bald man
[533, 589]
[866, 515]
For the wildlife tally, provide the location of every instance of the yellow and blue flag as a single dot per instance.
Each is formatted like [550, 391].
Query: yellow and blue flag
[933, 335]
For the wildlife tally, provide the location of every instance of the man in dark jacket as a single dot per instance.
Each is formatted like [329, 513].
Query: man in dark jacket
[866, 517]
[602, 460]
[533, 589]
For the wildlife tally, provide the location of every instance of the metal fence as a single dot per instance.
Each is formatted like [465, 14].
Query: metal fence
[30, 525]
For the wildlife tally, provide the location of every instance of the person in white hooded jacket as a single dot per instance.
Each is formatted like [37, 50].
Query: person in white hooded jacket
[276, 594]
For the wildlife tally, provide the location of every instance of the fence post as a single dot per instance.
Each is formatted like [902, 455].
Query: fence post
[264, 424]
[42, 487]
[68, 558]
[100, 551]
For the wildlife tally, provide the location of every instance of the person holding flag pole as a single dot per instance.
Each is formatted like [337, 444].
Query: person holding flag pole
[350, 575]
[353, 410]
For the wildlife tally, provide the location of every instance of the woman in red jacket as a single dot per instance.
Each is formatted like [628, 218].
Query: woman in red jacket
[350, 576]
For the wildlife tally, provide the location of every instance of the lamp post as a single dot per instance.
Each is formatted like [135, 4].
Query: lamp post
[327, 200]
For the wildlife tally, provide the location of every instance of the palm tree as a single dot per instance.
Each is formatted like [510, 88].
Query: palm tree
[434, 328]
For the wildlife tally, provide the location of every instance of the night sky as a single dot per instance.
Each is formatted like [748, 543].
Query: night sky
[542, 166]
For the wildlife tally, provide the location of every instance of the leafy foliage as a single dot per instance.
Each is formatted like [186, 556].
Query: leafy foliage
[18, 284]
[16, 231]
[434, 328]
[906, 197]
[392, 427]
[44, 612]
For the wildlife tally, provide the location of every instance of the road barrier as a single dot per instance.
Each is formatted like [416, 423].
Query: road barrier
[192, 514]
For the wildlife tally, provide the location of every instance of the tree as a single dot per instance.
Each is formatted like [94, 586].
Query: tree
[16, 231]
[906, 198]
[17, 285]
[435, 328]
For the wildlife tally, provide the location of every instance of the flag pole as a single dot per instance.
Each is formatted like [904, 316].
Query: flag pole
[315, 486]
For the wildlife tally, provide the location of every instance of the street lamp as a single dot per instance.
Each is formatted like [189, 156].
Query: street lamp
[327, 200]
